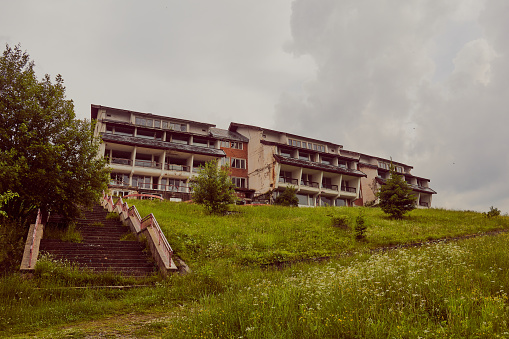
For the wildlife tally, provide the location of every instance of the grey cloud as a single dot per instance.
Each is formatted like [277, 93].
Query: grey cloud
[376, 89]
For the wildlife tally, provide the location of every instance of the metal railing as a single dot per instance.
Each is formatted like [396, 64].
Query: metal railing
[284, 180]
[348, 189]
[309, 184]
[172, 188]
[180, 168]
[148, 221]
[121, 161]
[423, 204]
[147, 163]
[330, 187]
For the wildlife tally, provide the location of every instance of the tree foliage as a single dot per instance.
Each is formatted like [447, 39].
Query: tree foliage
[47, 156]
[213, 188]
[396, 197]
[287, 198]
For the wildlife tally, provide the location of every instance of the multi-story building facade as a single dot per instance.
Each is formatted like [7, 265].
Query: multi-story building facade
[320, 172]
[156, 154]
[377, 171]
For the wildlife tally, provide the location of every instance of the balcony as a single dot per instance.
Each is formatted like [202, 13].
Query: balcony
[309, 184]
[348, 189]
[147, 163]
[118, 183]
[172, 188]
[290, 181]
[121, 161]
[180, 168]
[423, 204]
[330, 187]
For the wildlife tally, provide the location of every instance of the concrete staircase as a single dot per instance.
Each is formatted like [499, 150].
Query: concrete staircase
[102, 248]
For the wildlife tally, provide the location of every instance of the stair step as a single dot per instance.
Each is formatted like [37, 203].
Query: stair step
[102, 248]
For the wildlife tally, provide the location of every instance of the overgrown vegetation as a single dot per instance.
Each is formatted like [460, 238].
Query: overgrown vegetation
[455, 289]
[213, 188]
[287, 198]
[47, 156]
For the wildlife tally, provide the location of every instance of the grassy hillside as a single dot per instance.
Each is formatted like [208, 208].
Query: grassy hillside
[455, 289]
[267, 234]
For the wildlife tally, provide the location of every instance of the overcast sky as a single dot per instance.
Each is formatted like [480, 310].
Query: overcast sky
[423, 82]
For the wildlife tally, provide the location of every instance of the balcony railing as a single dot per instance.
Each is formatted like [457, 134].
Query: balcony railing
[197, 169]
[423, 204]
[180, 168]
[118, 183]
[289, 181]
[147, 163]
[348, 189]
[121, 161]
[172, 188]
[330, 187]
[309, 184]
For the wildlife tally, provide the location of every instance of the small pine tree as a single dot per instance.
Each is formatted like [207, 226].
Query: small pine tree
[396, 197]
[287, 198]
[213, 188]
[360, 227]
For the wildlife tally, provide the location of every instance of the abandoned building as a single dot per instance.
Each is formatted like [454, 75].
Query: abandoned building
[159, 155]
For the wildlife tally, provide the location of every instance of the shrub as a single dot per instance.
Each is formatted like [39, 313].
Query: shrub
[340, 221]
[493, 212]
[287, 198]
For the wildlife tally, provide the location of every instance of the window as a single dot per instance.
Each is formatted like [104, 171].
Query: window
[303, 156]
[285, 177]
[109, 129]
[343, 164]
[141, 181]
[178, 127]
[145, 133]
[326, 161]
[143, 122]
[165, 124]
[399, 169]
[285, 153]
[178, 139]
[225, 161]
[307, 180]
[304, 144]
[200, 142]
[239, 182]
[124, 130]
[157, 123]
[238, 163]
[236, 145]
[225, 144]
[383, 165]
[119, 179]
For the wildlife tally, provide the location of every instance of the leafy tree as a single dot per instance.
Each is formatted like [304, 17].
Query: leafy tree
[287, 198]
[213, 188]
[47, 156]
[396, 197]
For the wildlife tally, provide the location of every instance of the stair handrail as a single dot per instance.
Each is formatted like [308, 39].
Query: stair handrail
[149, 220]
[38, 221]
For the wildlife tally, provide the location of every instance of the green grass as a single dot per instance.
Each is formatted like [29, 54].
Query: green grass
[69, 233]
[457, 289]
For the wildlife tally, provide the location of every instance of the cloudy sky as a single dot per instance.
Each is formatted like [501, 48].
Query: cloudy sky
[423, 82]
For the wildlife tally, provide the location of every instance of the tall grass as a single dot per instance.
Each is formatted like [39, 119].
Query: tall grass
[445, 290]
[268, 234]
[442, 290]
